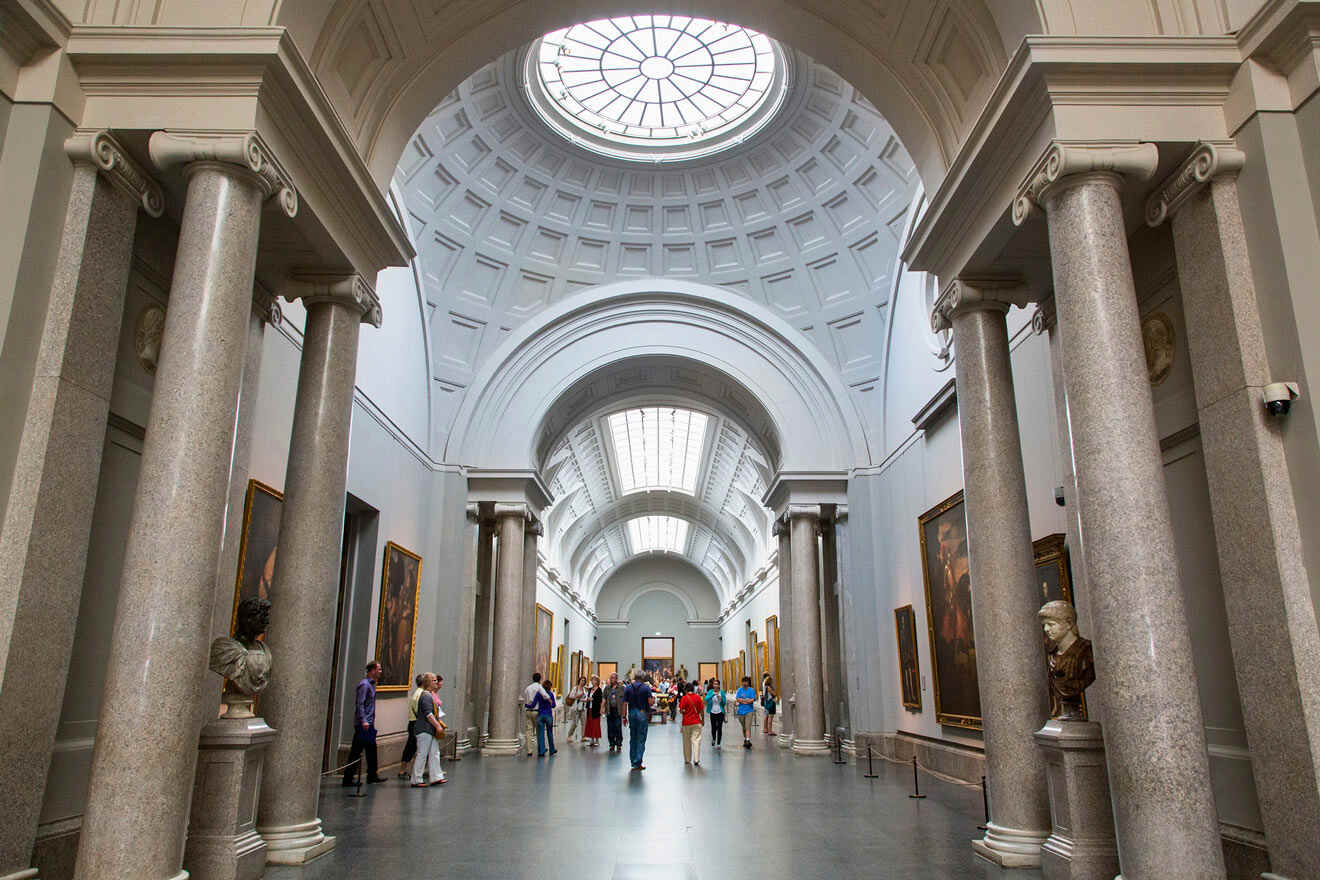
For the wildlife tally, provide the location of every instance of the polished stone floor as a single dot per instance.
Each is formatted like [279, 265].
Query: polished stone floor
[583, 815]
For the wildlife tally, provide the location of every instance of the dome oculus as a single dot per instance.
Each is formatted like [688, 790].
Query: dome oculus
[655, 87]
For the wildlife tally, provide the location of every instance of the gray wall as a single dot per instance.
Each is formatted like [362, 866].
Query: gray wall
[645, 589]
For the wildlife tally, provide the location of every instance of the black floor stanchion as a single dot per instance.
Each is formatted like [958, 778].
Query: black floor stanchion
[985, 801]
[870, 770]
[916, 787]
[357, 792]
[838, 746]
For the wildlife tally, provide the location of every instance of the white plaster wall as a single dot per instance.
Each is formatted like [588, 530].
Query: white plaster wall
[581, 634]
[659, 595]
[763, 603]
[663, 614]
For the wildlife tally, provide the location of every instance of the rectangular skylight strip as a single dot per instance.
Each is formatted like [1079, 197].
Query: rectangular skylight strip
[648, 533]
[658, 448]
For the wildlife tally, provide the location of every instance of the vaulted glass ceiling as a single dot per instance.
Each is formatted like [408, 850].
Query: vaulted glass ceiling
[650, 533]
[658, 448]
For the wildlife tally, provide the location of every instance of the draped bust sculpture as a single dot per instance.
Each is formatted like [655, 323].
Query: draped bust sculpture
[1072, 667]
[244, 660]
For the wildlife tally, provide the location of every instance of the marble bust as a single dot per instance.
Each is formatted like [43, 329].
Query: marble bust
[1072, 667]
[244, 660]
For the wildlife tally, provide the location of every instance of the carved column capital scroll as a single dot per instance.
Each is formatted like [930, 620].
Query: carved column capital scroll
[99, 148]
[266, 304]
[1062, 159]
[779, 528]
[969, 294]
[345, 289]
[176, 149]
[473, 512]
[1208, 160]
[1045, 317]
[505, 509]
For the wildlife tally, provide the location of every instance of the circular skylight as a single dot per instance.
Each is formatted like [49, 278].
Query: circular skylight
[656, 87]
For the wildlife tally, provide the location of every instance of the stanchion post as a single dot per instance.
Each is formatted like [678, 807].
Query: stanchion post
[985, 802]
[357, 792]
[870, 769]
[916, 787]
[838, 746]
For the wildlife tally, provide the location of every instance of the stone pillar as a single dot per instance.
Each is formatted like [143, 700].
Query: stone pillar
[303, 594]
[787, 685]
[48, 515]
[148, 730]
[1267, 594]
[481, 626]
[830, 659]
[1009, 656]
[532, 531]
[463, 670]
[506, 647]
[809, 713]
[1159, 772]
[843, 597]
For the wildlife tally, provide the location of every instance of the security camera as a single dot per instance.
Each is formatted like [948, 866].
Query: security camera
[1279, 397]
[1059, 498]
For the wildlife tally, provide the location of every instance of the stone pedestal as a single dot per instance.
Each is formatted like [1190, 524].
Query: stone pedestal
[1081, 845]
[223, 843]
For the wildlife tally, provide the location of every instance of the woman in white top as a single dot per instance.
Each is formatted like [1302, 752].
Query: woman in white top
[577, 708]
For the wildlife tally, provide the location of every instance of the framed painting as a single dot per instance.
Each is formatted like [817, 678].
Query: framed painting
[396, 625]
[909, 671]
[1053, 572]
[947, 577]
[742, 668]
[545, 626]
[605, 669]
[657, 654]
[258, 544]
[752, 655]
[554, 674]
[574, 670]
[762, 661]
[772, 646]
[706, 670]
[586, 668]
[557, 678]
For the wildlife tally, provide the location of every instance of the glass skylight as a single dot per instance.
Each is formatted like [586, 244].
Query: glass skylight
[658, 448]
[657, 87]
[667, 533]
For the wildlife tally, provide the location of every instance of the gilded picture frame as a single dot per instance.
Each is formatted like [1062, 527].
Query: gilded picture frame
[909, 664]
[1053, 571]
[258, 547]
[946, 576]
[396, 619]
[545, 628]
[772, 641]
[557, 678]
[706, 670]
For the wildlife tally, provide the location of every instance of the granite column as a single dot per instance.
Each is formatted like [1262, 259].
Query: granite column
[532, 531]
[1009, 657]
[830, 660]
[1159, 771]
[481, 657]
[506, 646]
[809, 713]
[1267, 593]
[149, 725]
[788, 674]
[463, 670]
[843, 600]
[48, 515]
[303, 593]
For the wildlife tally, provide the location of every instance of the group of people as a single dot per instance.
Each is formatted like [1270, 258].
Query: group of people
[426, 729]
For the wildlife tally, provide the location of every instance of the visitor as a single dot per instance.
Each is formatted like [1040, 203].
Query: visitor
[715, 704]
[593, 700]
[576, 701]
[640, 699]
[745, 697]
[693, 710]
[545, 721]
[430, 731]
[364, 727]
[674, 694]
[769, 702]
[616, 712]
[410, 747]
[530, 693]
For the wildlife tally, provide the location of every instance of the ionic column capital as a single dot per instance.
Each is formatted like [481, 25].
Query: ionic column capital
[779, 528]
[472, 512]
[266, 304]
[246, 149]
[1045, 317]
[504, 510]
[1062, 159]
[1210, 159]
[534, 527]
[840, 513]
[963, 295]
[97, 147]
[344, 289]
[805, 511]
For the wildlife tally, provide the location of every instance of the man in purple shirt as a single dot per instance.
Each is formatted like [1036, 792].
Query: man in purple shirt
[364, 727]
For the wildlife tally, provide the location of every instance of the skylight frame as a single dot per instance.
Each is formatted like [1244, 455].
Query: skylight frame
[657, 533]
[658, 448]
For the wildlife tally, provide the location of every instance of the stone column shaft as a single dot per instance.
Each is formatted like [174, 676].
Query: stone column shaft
[809, 715]
[1267, 593]
[530, 534]
[843, 600]
[304, 594]
[831, 658]
[1159, 771]
[462, 674]
[506, 647]
[48, 515]
[787, 673]
[1010, 660]
[158, 653]
[485, 585]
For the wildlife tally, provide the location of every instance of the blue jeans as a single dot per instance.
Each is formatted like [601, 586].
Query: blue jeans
[545, 730]
[615, 723]
[638, 726]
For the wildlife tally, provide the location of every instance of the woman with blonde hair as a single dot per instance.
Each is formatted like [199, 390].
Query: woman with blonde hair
[577, 709]
[595, 696]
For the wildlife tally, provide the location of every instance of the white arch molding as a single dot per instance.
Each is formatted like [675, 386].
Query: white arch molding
[625, 609]
[499, 423]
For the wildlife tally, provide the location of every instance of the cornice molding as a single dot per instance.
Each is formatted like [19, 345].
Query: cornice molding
[349, 290]
[1065, 159]
[964, 295]
[181, 148]
[1208, 160]
[98, 148]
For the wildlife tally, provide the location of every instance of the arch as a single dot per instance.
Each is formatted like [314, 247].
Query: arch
[658, 587]
[817, 425]
[663, 581]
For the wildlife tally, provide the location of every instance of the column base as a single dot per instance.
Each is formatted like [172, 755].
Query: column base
[295, 844]
[1010, 847]
[784, 740]
[500, 747]
[815, 748]
[25, 874]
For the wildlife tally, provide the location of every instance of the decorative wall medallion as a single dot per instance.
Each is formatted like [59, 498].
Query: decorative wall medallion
[146, 338]
[1158, 336]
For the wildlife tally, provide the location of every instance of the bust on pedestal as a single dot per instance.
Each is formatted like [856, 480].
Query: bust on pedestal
[223, 843]
[1081, 845]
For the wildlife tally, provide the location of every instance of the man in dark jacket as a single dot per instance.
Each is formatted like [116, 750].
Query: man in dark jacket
[364, 727]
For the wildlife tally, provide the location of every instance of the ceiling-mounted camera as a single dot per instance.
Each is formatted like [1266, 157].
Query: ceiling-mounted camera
[1279, 397]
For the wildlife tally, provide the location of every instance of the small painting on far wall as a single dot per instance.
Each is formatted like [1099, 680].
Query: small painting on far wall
[706, 670]
[545, 625]
[905, 626]
[1052, 569]
[604, 669]
[257, 548]
[396, 626]
[772, 647]
[574, 670]
[947, 576]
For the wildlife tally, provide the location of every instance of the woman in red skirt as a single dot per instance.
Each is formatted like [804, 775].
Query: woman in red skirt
[594, 697]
